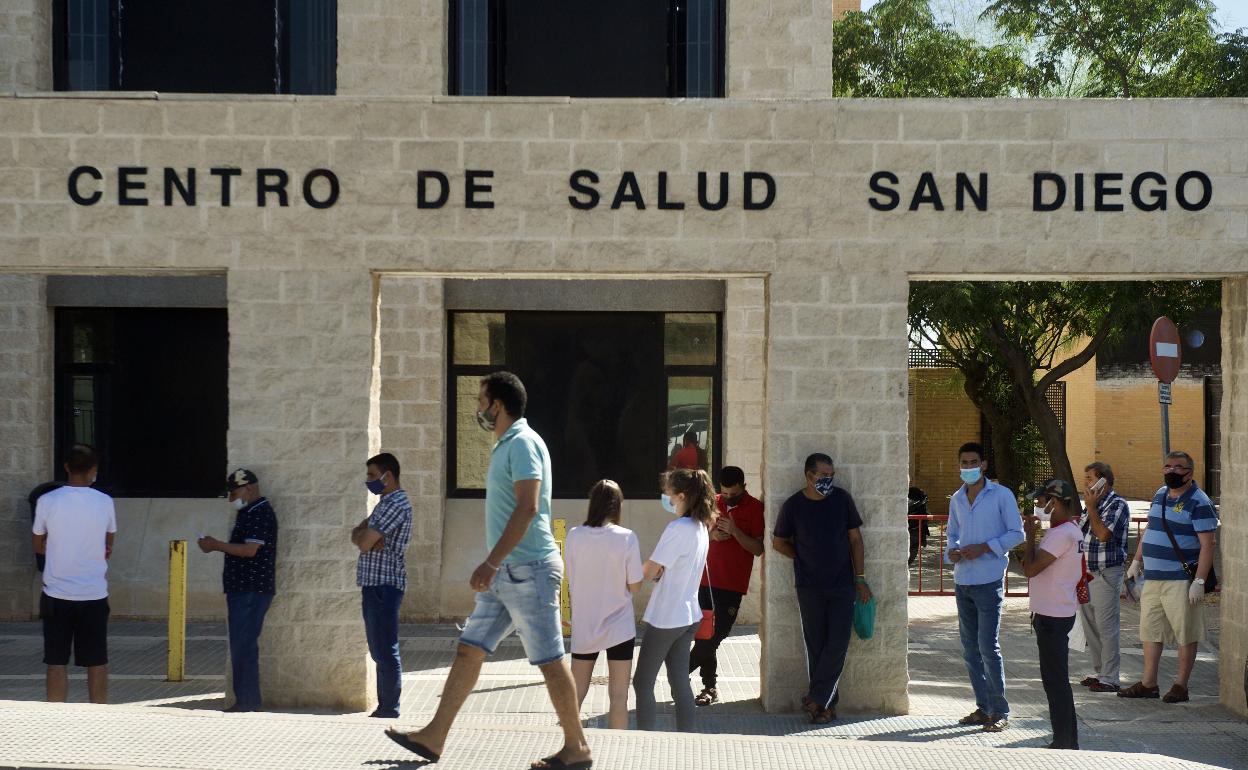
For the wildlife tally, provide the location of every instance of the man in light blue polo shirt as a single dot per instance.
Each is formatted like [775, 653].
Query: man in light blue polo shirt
[984, 524]
[518, 583]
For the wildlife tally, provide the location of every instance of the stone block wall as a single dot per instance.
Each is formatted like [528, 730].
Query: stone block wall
[779, 49]
[25, 433]
[392, 48]
[412, 423]
[26, 45]
[1233, 535]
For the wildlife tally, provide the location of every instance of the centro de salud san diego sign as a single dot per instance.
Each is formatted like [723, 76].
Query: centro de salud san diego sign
[320, 188]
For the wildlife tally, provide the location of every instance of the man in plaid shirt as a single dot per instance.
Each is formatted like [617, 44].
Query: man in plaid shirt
[1105, 542]
[382, 576]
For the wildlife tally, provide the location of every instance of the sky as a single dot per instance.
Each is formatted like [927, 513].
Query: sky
[1232, 14]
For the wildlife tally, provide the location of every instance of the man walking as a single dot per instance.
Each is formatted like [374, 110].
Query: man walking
[381, 574]
[518, 583]
[1105, 544]
[735, 540]
[818, 528]
[74, 528]
[984, 524]
[248, 578]
[1176, 552]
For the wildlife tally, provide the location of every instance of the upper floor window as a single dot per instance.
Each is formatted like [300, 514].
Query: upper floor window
[645, 48]
[196, 46]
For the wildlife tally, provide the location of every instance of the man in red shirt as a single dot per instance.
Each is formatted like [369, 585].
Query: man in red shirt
[735, 540]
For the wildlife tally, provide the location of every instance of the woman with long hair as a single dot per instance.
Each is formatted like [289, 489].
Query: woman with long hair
[603, 563]
[673, 614]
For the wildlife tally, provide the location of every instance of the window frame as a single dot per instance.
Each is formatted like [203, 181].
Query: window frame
[714, 371]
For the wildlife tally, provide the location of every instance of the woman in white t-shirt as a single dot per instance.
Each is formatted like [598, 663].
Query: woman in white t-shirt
[673, 614]
[603, 562]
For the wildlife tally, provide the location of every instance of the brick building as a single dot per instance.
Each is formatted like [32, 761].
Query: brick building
[296, 307]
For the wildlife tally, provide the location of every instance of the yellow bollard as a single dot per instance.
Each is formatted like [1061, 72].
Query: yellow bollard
[177, 610]
[565, 599]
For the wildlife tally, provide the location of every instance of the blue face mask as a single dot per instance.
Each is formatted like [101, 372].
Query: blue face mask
[668, 505]
[376, 486]
[970, 475]
[823, 485]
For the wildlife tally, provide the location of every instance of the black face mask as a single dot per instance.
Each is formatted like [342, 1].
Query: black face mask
[731, 501]
[1175, 480]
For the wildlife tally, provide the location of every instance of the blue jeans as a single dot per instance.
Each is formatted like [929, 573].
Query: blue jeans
[246, 612]
[523, 598]
[381, 629]
[979, 622]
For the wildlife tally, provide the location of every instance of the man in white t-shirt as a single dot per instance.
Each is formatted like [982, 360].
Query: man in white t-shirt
[74, 527]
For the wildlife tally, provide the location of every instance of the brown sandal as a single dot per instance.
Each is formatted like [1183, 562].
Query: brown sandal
[823, 716]
[1138, 690]
[1177, 694]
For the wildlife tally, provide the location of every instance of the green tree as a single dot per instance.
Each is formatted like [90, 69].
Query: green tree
[1006, 338]
[1229, 75]
[897, 49]
[1133, 48]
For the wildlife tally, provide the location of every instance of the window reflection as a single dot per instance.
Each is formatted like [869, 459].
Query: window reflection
[689, 413]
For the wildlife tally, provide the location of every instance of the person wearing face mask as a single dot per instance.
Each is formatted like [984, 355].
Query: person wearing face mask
[819, 529]
[74, 528]
[1176, 566]
[736, 539]
[248, 579]
[984, 524]
[1055, 567]
[381, 574]
[672, 615]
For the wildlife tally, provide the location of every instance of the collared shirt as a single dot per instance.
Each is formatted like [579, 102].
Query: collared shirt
[728, 564]
[519, 455]
[392, 517]
[993, 519]
[256, 523]
[1191, 513]
[1116, 516]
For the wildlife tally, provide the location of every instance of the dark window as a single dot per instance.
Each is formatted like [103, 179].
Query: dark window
[147, 388]
[614, 395]
[196, 46]
[646, 48]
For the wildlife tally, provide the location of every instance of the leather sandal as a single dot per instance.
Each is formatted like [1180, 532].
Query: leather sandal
[708, 696]
[1088, 681]
[976, 717]
[1138, 690]
[1177, 694]
[823, 716]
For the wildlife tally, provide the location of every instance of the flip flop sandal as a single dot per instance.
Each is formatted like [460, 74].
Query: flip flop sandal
[553, 762]
[413, 746]
[823, 717]
[708, 696]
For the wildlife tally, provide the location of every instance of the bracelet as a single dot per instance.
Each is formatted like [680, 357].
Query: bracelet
[491, 566]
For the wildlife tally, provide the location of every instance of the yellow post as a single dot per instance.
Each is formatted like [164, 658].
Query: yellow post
[177, 610]
[565, 599]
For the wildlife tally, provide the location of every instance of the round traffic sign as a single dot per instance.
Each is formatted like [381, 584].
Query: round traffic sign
[1164, 351]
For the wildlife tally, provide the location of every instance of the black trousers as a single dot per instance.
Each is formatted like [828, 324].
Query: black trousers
[727, 603]
[827, 621]
[1052, 638]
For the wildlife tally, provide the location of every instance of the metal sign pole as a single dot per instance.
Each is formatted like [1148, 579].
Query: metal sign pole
[1164, 398]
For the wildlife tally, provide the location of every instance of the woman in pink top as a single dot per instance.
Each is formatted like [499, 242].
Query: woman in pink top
[1055, 567]
[603, 562]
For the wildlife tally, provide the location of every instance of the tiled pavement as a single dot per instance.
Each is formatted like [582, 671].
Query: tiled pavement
[511, 698]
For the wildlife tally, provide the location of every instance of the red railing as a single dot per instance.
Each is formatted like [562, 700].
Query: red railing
[939, 585]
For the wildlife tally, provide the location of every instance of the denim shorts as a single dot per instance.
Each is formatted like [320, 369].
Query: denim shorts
[523, 598]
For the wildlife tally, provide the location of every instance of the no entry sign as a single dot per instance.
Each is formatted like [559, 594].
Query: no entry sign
[1164, 350]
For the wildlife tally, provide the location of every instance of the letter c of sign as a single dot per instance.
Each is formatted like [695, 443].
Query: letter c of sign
[79, 198]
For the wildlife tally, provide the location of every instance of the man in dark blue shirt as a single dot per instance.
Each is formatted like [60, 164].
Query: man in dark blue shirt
[818, 528]
[249, 582]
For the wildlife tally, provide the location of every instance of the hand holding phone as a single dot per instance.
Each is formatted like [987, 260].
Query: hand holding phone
[1099, 485]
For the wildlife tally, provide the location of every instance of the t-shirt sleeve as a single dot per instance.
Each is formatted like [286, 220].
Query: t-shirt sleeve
[1204, 518]
[784, 522]
[671, 546]
[40, 526]
[526, 459]
[112, 516]
[852, 519]
[752, 522]
[258, 530]
[633, 564]
[1058, 544]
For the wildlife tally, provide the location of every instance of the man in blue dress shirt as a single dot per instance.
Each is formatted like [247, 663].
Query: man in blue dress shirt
[984, 524]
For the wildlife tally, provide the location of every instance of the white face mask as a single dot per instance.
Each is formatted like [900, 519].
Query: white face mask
[238, 503]
[1042, 513]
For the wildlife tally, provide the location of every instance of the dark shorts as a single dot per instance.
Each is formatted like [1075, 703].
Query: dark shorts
[621, 651]
[82, 625]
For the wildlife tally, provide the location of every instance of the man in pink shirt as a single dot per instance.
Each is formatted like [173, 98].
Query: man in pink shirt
[1055, 567]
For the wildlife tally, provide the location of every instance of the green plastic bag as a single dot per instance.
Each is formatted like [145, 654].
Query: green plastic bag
[864, 618]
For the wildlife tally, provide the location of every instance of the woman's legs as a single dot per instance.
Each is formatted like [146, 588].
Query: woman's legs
[582, 671]
[619, 672]
[678, 677]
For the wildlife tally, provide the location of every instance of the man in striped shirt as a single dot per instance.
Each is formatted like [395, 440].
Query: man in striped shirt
[1172, 607]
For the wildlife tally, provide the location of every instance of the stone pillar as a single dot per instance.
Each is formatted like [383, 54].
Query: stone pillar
[25, 432]
[392, 49]
[779, 49]
[837, 384]
[26, 46]
[301, 369]
[413, 423]
[1233, 535]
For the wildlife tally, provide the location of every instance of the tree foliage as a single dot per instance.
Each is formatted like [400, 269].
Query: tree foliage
[897, 49]
[1012, 339]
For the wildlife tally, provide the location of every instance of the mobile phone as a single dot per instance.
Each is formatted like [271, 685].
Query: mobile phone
[1099, 485]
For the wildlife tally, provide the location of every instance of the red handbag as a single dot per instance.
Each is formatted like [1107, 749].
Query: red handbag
[706, 629]
[1081, 588]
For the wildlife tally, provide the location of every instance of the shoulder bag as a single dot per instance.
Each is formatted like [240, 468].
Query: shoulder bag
[1211, 582]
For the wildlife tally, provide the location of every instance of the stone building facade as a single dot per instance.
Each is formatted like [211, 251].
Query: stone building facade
[337, 315]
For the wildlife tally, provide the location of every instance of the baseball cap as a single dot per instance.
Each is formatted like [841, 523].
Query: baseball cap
[1059, 488]
[240, 478]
